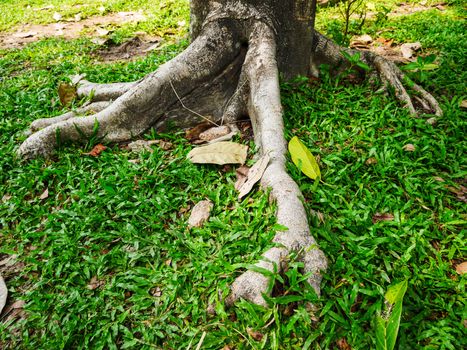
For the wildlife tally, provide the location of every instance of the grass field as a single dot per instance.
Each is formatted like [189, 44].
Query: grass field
[105, 260]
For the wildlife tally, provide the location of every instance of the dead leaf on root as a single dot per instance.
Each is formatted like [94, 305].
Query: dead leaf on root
[220, 153]
[254, 175]
[193, 133]
[461, 268]
[96, 151]
[66, 93]
[3, 293]
[200, 214]
[214, 133]
[382, 217]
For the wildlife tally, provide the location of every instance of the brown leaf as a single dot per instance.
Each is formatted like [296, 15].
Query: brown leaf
[461, 192]
[156, 292]
[44, 194]
[408, 49]
[214, 133]
[371, 161]
[258, 336]
[382, 217]
[463, 104]
[342, 344]
[461, 268]
[95, 283]
[219, 153]
[439, 179]
[96, 151]
[193, 133]
[432, 121]
[409, 147]
[254, 175]
[242, 176]
[6, 197]
[66, 93]
[200, 213]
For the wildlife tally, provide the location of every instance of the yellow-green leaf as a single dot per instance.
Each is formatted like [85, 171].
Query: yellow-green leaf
[303, 159]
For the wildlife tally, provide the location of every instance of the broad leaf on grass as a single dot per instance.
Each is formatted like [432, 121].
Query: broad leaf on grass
[303, 159]
[3, 293]
[387, 326]
[219, 153]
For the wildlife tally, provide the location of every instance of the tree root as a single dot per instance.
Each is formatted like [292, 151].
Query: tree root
[228, 71]
[328, 52]
[266, 114]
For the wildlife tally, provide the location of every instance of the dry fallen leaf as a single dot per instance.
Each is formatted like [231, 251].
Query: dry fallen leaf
[95, 283]
[3, 293]
[382, 217]
[408, 49]
[461, 268]
[463, 104]
[66, 93]
[342, 344]
[44, 194]
[96, 151]
[432, 121]
[371, 161]
[254, 175]
[220, 153]
[242, 176]
[258, 336]
[409, 147]
[193, 133]
[214, 133]
[6, 198]
[200, 214]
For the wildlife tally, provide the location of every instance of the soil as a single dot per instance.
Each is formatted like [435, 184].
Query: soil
[93, 26]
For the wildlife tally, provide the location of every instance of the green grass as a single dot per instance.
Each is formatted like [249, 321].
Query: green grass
[122, 224]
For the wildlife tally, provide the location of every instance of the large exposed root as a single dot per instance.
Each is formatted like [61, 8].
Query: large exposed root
[266, 114]
[228, 71]
[145, 103]
[328, 52]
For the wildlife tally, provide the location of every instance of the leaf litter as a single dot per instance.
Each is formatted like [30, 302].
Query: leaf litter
[219, 153]
[254, 175]
[200, 213]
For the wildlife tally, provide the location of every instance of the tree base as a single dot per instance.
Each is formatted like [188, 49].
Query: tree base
[230, 70]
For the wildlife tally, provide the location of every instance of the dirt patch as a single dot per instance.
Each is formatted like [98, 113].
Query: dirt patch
[129, 50]
[72, 29]
[403, 9]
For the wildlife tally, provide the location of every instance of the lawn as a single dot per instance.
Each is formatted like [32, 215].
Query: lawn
[98, 249]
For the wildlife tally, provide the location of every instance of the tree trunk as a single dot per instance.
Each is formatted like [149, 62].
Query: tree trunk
[230, 70]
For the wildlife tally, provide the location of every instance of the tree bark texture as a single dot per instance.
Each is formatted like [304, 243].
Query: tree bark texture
[230, 70]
